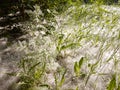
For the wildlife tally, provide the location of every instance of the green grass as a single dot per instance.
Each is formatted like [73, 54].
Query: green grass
[90, 31]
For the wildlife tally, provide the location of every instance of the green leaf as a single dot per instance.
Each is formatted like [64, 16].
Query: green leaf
[93, 66]
[60, 40]
[112, 84]
[77, 88]
[87, 79]
[69, 46]
[45, 85]
[62, 79]
[56, 80]
[31, 68]
[81, 62]
[76, 69]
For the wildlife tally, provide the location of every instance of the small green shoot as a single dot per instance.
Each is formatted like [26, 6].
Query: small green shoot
[60, 82]
[77, 67]
[77, 88]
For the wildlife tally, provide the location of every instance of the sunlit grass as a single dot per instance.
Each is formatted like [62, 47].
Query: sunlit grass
[89, 31]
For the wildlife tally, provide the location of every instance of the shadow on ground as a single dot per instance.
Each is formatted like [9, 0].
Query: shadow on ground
[11, 31]
[11, 27]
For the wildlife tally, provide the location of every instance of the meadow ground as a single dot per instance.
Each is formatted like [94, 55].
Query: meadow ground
[81, 51]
